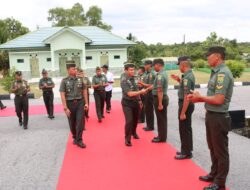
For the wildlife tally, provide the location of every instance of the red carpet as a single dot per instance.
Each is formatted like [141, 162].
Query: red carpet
[33, 110]
[107, 164]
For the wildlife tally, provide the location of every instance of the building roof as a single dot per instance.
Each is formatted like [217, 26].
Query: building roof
[37, 39]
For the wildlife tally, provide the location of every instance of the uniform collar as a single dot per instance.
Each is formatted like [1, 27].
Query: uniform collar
[187, 72]
[218, 67]
[161, 71]
[98, 76]
[72, 77]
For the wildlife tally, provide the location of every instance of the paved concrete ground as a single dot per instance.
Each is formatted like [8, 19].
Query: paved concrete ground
[32, 159]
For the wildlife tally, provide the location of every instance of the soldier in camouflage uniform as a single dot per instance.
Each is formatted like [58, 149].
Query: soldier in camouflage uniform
[218, 121]
[161, 100]
[46, 84]
[73, 91]
[131, 102]
[21, 88]
[99, 82]
[186, 108]
[140, 77]
[149, 101]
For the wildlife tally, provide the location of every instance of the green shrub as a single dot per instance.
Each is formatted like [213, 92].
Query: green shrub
[236, 67]
[8, 79]
[200, 63]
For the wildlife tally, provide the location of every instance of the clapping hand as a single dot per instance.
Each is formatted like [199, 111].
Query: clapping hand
[175, 77]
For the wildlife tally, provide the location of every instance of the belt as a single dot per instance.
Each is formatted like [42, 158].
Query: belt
[74, 100]
[99, 91]
[47, 91]
[163, 96]
[213, 112]
[20, 95]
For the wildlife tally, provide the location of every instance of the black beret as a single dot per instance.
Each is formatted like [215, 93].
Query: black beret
[183, 58]
[141, 67]
[105, 66]
[44, 71]
[19, 73]
[158, 61]
[216, 49]
[148, 62]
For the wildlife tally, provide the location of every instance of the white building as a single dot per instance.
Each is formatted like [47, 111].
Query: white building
[51, 47]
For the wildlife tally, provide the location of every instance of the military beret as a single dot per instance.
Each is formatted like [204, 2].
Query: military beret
[44, 71]
[216, 49]
[158, 61]
[97, 68]
[148, 62]
[183, 58]
[105, 66]
[141, 67]
[128, 65]
[19, 73]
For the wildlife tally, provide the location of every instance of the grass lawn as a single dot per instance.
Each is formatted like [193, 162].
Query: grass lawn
[202, 77]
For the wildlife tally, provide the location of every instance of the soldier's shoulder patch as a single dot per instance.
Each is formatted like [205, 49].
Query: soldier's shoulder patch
[220, 77]
[159, 77]
[220, 81]
[185, 82]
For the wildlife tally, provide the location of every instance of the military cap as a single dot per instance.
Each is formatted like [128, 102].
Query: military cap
[148, 62]
[44, 71]
[19, 73]
[105, 66]
[158, 61]
[183, 58]
[216, 49]
[70, 64]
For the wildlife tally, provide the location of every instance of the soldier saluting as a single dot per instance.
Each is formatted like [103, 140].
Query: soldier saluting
[21, 88]
[73, 90]
[46, 84]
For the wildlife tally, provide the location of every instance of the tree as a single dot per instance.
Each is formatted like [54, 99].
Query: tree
[67, 17]
[236, 67]
[75, 16]
[9, 29]
[137, 53]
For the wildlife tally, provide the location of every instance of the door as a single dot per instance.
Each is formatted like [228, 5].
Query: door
[34, 67]
[62, 66]
[104, 60]
[77, 61]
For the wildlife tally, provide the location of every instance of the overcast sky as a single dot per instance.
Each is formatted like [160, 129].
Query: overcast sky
[151, 21]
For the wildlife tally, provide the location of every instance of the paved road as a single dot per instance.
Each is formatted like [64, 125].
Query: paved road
[32, 159]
